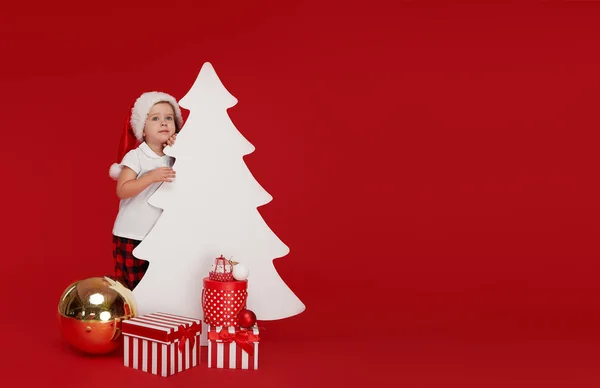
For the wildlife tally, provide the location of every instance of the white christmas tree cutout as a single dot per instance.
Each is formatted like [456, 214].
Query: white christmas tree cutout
[209, 210]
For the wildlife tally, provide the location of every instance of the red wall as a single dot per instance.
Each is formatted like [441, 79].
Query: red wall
[433, 168]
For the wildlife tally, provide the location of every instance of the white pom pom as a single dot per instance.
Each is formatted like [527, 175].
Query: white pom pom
[240, 272]
[115, 171]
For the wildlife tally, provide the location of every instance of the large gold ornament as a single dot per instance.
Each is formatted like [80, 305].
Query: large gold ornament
[90, 313]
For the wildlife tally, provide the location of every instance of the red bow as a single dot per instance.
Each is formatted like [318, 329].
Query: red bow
[185, 334]
[242, 338]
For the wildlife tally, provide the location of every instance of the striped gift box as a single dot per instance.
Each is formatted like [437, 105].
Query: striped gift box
[161, 344]
[232, 348]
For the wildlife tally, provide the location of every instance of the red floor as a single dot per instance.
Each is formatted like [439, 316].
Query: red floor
[40, 356]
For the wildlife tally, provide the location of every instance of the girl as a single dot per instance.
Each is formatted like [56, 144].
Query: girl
[155, 121]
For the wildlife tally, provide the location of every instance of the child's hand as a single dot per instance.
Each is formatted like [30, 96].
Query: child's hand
[171, 140]
[161, 174]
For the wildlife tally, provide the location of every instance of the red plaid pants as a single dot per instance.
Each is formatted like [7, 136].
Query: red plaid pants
[129, 270]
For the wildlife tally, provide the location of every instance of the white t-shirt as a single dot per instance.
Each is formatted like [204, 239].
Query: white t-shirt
[136, 216]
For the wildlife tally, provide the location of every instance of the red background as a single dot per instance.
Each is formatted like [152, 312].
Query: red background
[433, 169]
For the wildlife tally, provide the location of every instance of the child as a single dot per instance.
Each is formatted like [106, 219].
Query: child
[155, 121]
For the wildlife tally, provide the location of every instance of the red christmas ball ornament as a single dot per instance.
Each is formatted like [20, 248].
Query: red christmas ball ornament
[246, 318]
[90, 313]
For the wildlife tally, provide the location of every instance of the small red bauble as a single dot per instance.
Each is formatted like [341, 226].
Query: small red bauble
[246, 318]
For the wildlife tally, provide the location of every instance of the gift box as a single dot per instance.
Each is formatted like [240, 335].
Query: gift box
[222, 301]
[232, 348]
[161, 344]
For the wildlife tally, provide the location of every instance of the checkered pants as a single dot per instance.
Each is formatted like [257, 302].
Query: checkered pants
[128, 269]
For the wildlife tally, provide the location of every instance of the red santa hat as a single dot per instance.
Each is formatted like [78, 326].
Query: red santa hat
[133, 134]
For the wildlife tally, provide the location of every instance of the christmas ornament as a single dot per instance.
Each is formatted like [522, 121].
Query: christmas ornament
[240, 272]
[246, 318]
[90, 313]
[221, 270]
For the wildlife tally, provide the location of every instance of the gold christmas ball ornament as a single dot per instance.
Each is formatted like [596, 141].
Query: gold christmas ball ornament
[90, 313]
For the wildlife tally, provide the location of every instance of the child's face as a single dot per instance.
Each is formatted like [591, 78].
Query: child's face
[160, 124]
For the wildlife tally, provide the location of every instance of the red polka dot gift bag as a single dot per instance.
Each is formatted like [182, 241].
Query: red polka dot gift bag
[222, 300]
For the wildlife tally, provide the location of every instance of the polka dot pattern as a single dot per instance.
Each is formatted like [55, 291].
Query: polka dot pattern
[221, 307]
[220, 276]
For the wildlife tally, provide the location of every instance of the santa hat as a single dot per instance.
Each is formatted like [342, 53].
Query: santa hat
[134, 125]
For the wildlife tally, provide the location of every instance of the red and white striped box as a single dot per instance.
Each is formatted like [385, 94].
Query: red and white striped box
[161, 344]
[232, 347]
